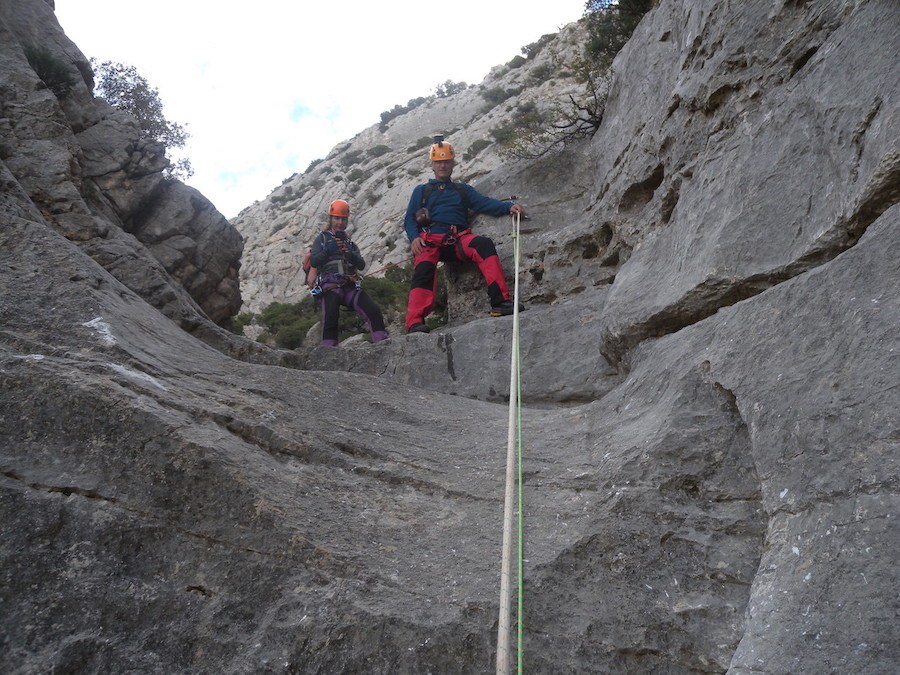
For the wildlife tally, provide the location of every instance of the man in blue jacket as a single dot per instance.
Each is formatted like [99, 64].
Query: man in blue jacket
[436, 225]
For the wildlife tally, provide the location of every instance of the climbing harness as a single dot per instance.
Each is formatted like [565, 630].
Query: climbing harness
[328, 281]
[513, 484]
[318, 281]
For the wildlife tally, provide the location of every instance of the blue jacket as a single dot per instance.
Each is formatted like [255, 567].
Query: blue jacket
[446, 207]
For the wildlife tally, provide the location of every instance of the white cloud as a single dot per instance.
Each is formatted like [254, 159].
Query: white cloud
[264, 88]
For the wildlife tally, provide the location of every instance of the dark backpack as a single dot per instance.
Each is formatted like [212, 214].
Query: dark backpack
[310, 271]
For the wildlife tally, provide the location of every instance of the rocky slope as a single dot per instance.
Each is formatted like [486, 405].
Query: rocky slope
[710, 378]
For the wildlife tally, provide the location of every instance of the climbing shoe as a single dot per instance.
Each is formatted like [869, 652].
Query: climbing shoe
[418, 328]
[505, 308]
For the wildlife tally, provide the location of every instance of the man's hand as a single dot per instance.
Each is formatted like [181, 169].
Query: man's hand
[517, 210]
[416, 246]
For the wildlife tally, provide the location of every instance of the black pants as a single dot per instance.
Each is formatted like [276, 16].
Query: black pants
[357, 300]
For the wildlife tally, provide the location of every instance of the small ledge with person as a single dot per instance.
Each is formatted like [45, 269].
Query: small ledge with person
[336, 280]
[437, 226]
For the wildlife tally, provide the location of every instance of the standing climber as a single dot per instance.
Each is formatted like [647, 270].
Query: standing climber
[437, 226]
[338, 263]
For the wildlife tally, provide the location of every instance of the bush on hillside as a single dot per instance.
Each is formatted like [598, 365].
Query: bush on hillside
[531, 133]
[350, 158]
[449, 88]
[475, 148]
[398, 110]
[533, 49]
[516, 62]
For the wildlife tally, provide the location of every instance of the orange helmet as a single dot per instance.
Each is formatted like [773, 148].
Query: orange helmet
[441, 150]
[339, 207]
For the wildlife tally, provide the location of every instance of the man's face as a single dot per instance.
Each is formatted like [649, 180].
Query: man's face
[339, 222]
[442, 169]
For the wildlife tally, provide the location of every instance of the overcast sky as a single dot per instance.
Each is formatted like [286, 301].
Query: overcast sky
[265, 87]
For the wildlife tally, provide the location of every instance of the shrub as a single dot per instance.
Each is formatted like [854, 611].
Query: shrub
[379, 150]
[540, 74]
[476, 147]
[237, 323]
[516, 62]
[313, 164]
[423, 142]
[277, 315]
[533, 133]
[351, 158]
[398, 110]
[534, 48]
[287, 324]
[53, 72]
[449, 88]
[292, 335]
[504, 134]
[495, 95]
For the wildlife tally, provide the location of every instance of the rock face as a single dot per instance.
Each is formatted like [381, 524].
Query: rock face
[710, 386]
[97, 182]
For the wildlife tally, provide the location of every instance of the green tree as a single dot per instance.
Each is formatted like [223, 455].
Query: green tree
[449, 88]
[610, 23]
[125, 89]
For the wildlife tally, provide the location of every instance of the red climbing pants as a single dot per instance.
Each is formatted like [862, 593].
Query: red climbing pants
[464, 246]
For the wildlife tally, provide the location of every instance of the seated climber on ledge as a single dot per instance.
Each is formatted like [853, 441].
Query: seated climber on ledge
[436, 225]
[337, 262]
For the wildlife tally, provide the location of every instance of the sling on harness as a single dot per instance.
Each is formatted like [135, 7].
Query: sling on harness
[455, 230]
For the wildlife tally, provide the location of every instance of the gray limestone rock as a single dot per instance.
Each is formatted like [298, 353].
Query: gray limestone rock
[93, 176]
[709, 456]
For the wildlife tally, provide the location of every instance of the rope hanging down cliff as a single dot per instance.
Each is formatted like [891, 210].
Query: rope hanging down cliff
[513, 484]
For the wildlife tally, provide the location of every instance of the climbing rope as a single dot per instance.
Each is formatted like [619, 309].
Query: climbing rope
[387, 267]
[513, 479]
